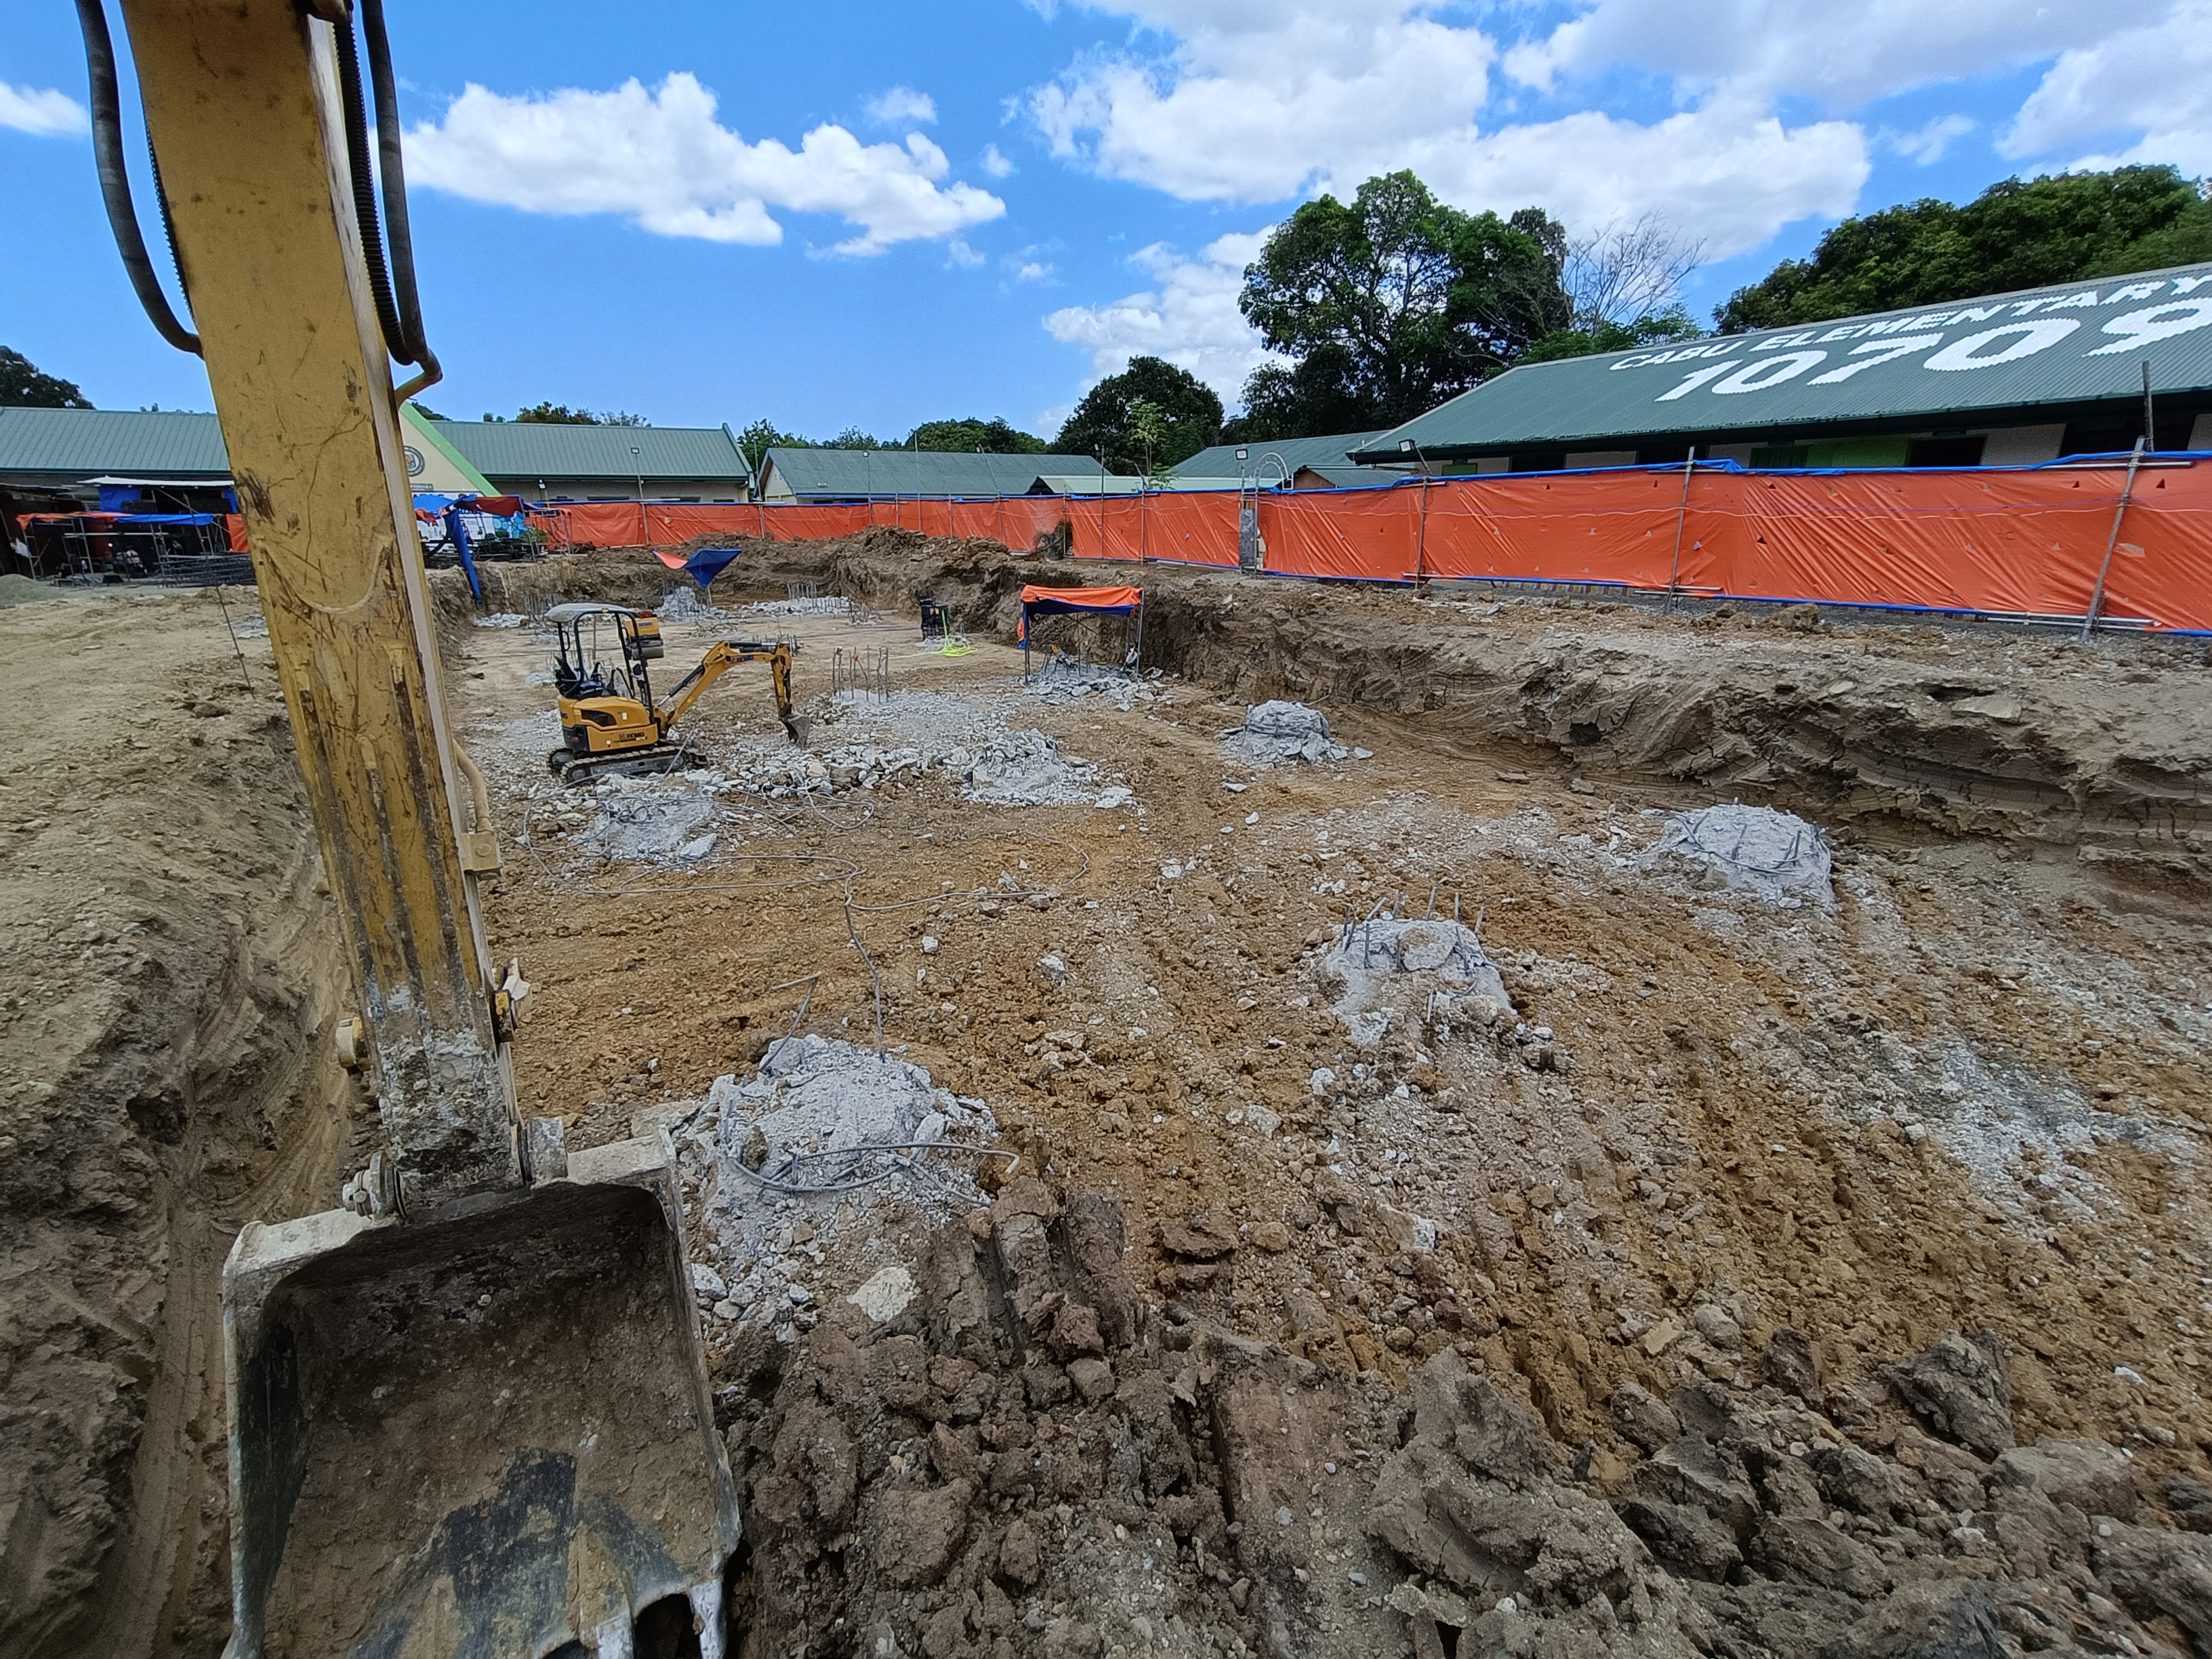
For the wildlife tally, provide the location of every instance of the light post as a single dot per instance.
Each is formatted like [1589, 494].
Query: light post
[637, 467]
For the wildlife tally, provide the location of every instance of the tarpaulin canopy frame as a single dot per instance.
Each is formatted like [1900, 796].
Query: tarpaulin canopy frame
[1125, 602]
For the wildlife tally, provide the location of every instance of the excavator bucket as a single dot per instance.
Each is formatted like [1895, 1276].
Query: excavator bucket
[797, 728]
[486, 1435]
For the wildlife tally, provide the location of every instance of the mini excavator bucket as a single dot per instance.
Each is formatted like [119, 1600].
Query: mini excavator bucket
[484, 1436]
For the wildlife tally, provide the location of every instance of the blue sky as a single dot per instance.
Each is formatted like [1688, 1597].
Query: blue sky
[876, 215]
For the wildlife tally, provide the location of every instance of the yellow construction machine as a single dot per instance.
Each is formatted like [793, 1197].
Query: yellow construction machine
[610, 721]
[468, 1411]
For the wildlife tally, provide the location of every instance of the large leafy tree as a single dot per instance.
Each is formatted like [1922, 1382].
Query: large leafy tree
[2019, 233]
[23, 386]
[1392, 302]
[972, 436]
[1150, 416]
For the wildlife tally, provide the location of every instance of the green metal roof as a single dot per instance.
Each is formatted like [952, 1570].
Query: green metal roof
[69, 444]
[1327, 456]
[886, 473]
[79, 443]
[517, 450]
[1124, 483]
[2071, 344]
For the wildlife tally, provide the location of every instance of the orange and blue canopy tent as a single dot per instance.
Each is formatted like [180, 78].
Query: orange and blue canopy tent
[1079, 601]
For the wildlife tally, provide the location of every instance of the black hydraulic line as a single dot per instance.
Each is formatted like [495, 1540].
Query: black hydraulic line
[364, 189]
[115, 180]
[398, 232]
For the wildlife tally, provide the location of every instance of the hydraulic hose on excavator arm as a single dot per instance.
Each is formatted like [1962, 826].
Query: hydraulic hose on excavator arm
[469, 1414]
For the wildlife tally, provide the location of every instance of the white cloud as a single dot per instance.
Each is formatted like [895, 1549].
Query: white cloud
[1257, 103]
[659, 158]
[1188, 316]
[1032, 271]
[957, 252]
[2154, 80]
[995, 163]
[40, 109]
[1253, 102]
[1840, 56]
[900, 105]
[1724, 175]
[1926, 145]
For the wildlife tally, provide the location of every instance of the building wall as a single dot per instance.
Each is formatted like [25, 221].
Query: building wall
[1602, 457]
[2023, 446]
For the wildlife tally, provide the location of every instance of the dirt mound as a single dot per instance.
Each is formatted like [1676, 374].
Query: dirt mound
[169, 981]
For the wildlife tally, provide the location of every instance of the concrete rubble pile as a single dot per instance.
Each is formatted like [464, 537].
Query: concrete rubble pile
[650, 820]
[1389, 970]
[818, 1138]
[1275, 733]
[1775, 856]
[685, 604]
[1026, 768]
[1063, 679]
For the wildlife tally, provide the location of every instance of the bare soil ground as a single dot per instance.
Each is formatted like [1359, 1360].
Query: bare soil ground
[167, 988]
[1590, 1328]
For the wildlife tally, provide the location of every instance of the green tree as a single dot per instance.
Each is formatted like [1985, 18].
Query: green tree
[1650, 328]
[852, 438]
[972, 436]
[22, 386]
[1390, 304]
[1186, 413]
[561, 415]
[2019, 233]
[757, 439]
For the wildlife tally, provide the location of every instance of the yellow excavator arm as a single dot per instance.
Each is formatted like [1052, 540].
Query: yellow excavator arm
[722, 657]
[469, 1411]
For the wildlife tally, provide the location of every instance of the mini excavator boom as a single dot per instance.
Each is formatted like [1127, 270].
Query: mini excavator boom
[468, 1413]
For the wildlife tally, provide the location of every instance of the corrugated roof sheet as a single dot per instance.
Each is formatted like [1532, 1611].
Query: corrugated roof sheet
[884, 472]
[76, 443]
[1122, 484]
[1329, 457]
[2072, 343]
[531, 449]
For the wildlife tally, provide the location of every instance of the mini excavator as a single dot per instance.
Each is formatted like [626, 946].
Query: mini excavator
[468, 1411]
[608, 719]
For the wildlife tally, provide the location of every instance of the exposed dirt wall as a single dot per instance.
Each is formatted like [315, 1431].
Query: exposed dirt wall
[167, 984]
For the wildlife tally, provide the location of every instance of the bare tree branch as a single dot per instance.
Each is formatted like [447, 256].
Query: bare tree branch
[1628, 270]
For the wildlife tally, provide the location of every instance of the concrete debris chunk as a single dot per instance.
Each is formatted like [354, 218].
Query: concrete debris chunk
[1026, 768]
[1389, 971]
[1277, 732]
[1062, 678]
[660, 820]
[823, 1131]
[1777, 857]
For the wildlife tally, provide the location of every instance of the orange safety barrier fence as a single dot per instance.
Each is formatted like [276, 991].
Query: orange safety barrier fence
[2017, 541]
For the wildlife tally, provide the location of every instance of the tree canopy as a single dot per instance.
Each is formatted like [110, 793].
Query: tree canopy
[549, 414]
[23, 386]
[1391, 303]
[1149, 417]
[972, 436]
[2019, 233]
